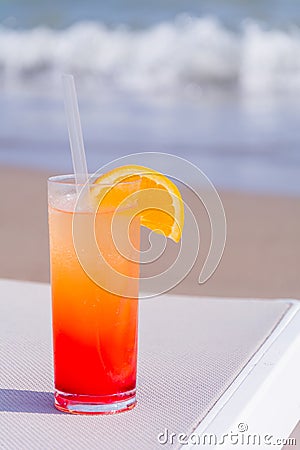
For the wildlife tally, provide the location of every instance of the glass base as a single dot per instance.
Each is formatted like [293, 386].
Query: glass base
[94, 404]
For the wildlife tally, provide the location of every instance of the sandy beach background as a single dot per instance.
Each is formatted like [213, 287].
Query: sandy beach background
[261, 258]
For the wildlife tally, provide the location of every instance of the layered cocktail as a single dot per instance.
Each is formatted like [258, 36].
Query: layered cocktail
[95, 287]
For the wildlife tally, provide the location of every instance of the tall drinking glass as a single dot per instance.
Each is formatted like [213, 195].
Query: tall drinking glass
[94, 328]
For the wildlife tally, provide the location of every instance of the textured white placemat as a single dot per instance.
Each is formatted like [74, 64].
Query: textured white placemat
[191, 349]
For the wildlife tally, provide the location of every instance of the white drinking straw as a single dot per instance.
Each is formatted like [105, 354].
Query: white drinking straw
[75, 131]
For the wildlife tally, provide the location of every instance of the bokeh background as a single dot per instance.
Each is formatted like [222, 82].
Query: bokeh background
[215, 81]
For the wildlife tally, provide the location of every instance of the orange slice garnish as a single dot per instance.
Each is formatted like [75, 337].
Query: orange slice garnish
[159, 200]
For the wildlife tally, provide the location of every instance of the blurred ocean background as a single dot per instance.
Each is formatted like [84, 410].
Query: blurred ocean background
[216, 82]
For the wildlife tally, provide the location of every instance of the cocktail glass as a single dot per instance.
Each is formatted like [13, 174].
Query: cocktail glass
[94, 329]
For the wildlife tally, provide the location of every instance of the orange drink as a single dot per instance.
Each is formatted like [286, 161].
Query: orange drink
[94, 253]
[94, 330]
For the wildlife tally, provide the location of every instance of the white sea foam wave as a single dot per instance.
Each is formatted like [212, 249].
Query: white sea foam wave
[169, 56]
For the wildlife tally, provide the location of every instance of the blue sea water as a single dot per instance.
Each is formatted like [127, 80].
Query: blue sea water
[142, 13]
[216, 82]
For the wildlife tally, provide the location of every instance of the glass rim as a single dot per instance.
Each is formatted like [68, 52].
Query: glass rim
[69, 180]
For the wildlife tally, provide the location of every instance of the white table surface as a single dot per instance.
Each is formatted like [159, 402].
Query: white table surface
[206, 366]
